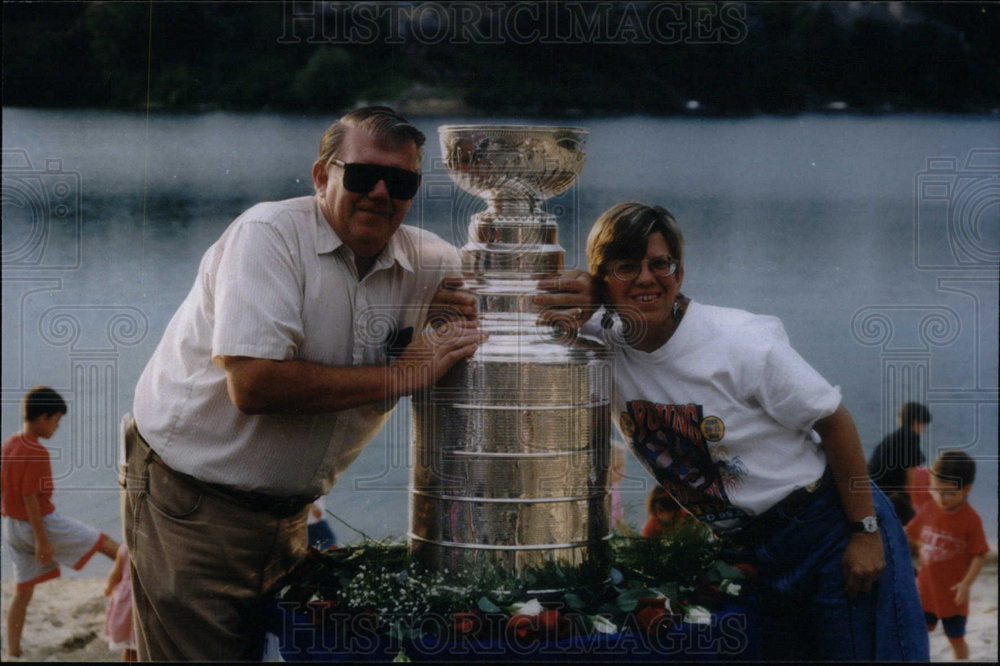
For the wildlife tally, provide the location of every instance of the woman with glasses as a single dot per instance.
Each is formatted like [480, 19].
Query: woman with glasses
[750, 439]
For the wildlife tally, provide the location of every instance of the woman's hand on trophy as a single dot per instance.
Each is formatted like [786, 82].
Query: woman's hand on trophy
[451, 303]
[430, 356]
[569, 298]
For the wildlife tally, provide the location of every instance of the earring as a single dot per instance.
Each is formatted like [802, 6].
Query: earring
[677, 312]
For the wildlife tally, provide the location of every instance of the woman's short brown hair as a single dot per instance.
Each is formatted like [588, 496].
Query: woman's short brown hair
[622, 231]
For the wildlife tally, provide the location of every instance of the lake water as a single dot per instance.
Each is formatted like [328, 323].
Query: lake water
[875, 239]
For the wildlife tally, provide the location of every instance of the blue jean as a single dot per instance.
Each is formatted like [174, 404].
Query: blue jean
[320, 535]
[805, 612]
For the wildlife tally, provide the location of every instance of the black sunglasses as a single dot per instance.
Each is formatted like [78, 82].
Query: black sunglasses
[362, 179]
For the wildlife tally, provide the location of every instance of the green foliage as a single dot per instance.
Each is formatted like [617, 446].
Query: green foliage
[782, 57]
[378, 578]
[682, 556]
[327, 81]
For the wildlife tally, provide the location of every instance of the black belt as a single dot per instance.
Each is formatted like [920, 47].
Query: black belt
[776, 516]
[277, 506]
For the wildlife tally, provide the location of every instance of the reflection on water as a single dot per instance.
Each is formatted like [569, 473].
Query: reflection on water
[817, 220]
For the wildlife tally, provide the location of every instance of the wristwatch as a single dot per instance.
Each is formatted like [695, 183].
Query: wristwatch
[867, 525]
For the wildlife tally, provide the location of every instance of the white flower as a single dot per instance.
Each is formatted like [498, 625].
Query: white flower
[698, 615]
[532, 607]
[603, 625]
[666, 602]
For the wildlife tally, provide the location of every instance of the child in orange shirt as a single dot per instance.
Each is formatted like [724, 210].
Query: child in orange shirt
[36, 537]
[952, 546]
[665, 514]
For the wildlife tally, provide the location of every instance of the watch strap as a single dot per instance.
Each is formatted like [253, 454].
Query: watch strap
[867, 525]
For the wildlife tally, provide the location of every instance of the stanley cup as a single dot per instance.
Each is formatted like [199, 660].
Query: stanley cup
[511, 448]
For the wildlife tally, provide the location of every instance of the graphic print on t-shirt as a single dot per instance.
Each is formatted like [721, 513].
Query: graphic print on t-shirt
[938, 546]
[671, 440]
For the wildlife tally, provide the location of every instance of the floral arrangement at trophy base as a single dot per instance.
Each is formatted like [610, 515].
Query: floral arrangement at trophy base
[667, 595]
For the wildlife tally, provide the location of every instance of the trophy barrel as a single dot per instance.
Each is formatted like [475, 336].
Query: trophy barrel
[511, 458]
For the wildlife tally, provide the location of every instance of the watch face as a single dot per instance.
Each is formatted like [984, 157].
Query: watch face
[870, 524]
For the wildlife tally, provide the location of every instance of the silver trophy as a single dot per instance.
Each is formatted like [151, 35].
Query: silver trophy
[511, 448]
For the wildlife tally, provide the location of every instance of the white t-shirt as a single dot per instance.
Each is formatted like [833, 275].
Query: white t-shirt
[722, 414]
[279, 284]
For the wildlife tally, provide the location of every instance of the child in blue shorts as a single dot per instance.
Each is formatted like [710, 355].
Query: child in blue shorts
[952, 545]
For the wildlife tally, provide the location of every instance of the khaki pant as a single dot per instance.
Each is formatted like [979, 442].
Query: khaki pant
[203, 566]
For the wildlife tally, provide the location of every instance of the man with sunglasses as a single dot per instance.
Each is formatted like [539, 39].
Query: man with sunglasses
[302, 330]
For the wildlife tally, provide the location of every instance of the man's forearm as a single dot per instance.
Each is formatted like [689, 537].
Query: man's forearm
[262, 386]
[265, 386]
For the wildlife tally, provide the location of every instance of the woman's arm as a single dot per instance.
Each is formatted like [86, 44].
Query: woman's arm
[864, 558]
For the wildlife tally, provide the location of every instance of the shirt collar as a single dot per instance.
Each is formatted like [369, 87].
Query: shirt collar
[393, 252]
[328, 241]
[30, 439]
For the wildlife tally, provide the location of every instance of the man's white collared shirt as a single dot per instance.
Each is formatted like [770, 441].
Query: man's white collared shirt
[280, 284]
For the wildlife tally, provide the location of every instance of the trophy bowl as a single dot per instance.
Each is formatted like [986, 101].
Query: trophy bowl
[513, 167]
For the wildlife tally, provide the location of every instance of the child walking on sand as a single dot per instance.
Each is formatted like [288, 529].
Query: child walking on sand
[118, 618]
[36, 537]
[949, 534]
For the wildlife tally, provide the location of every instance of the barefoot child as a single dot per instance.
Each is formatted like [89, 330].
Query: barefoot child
[952, 546]
[37, 538]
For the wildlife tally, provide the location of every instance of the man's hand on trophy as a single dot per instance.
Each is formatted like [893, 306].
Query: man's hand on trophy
[451, 303]
[569, 298]
[430, 356]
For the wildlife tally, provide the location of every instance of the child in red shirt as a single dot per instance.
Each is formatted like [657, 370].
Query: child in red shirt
[665, 514]
[36, 537]
[952, 546]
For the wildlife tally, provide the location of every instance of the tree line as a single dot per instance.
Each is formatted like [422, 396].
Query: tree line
[521, 58]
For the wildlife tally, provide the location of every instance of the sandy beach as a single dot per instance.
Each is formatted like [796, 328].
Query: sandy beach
[66, 621]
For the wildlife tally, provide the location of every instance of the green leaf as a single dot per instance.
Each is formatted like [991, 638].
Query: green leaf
[607, 609]
[718, 571]
[669, 590]
[628, 600]
[574, 601]
[488, 606]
